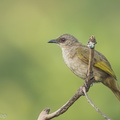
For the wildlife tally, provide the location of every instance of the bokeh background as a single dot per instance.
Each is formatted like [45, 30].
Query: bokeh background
[33, 75]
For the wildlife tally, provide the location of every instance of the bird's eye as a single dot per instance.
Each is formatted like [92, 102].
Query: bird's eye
[63, 39]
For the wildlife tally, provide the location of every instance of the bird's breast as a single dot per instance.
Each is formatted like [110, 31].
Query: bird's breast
[76, 65]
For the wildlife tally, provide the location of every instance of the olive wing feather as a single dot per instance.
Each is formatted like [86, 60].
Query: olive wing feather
[100, 60]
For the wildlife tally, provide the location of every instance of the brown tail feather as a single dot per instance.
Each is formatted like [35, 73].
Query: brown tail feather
[112, 84]
[117, 94]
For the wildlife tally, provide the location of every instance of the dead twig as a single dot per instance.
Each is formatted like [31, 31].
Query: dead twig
[44, 115]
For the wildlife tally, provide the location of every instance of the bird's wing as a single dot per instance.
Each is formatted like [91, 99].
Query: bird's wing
[99, 60]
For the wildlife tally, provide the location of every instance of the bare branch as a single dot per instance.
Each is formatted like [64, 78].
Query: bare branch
[44, 115]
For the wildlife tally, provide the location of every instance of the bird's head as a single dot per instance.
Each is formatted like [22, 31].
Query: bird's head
[64, 40]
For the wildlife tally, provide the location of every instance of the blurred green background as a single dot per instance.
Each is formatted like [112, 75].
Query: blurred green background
[33, 75]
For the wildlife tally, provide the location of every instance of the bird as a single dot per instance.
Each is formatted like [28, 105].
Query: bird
[76, 57]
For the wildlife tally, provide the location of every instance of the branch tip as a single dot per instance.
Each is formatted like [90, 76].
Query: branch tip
[47, 110]
[91, 42]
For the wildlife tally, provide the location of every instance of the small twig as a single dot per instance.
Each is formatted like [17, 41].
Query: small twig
[91, 45]
[94, 106]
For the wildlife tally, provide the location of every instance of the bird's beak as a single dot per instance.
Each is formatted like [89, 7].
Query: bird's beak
[52, 41]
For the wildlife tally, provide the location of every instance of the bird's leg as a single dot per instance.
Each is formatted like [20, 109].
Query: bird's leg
[89, 82]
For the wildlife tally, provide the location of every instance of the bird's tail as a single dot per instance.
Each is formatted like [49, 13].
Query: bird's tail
[112, 84]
